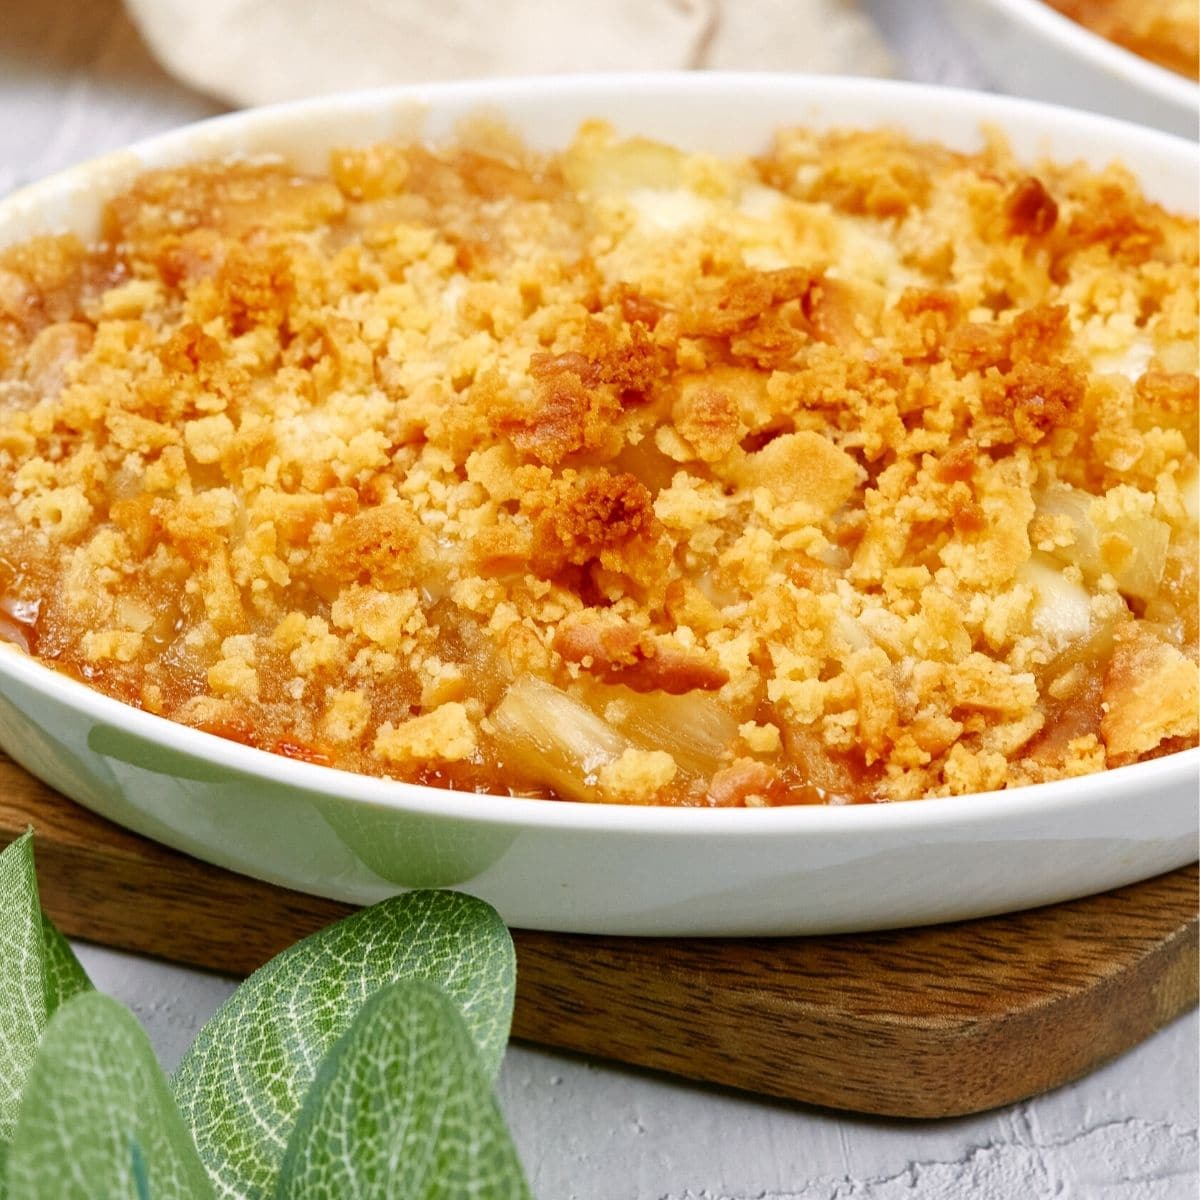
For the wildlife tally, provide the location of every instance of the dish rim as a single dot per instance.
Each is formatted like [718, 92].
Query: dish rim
[667, 821]
[1069, 35]
[1064, 795]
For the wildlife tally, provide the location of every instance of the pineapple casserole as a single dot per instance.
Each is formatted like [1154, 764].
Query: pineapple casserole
[864, 470]
[1166, 32]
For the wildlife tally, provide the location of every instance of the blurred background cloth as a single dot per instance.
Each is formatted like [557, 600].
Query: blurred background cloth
[258, 51]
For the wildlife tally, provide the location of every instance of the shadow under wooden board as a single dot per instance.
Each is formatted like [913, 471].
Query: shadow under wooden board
[932, 1022]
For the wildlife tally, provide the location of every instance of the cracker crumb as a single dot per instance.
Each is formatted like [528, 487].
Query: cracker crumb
[636, 777]
[444, 735]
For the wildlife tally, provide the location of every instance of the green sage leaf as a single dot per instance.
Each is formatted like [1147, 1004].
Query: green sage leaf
[97, 1118]
[63, 976]
[401, 1107]
[241, 1085]
[38, 970]
[22, 989]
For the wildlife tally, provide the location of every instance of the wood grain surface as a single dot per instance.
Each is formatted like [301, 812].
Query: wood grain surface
[930, 1022]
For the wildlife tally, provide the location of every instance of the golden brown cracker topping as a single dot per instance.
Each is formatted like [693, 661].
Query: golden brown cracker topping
[861, 471]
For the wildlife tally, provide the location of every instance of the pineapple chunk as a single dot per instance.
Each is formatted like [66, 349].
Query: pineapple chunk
[668, 209]
[1133, 543]
[1189, 489]
[1114, 534]
[598, 164]
[694, 728]
[555, 739]
[1062, 610]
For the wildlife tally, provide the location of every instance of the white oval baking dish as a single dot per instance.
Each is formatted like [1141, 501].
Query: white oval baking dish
[605, 868]
[1032, 50]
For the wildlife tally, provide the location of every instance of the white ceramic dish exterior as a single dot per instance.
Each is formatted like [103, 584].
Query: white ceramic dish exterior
[1031, 50]
[604, 868]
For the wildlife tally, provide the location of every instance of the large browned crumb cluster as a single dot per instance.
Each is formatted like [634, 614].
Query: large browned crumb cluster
[864, 470]
[1166, 32]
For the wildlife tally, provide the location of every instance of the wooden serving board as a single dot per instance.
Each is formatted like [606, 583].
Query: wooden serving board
[928, 1022]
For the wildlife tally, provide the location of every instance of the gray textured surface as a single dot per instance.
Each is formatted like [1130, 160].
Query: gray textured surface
[75, 81]
[588, 1131]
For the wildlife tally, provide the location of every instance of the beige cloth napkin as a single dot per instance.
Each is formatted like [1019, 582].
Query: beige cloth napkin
[258, 51]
